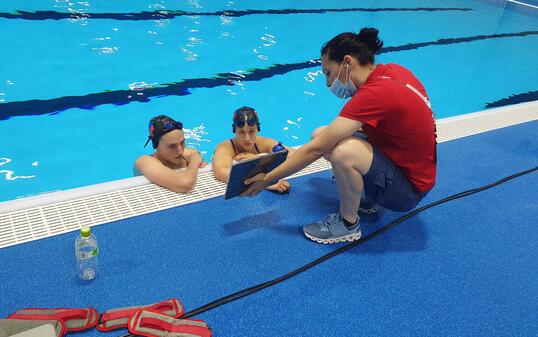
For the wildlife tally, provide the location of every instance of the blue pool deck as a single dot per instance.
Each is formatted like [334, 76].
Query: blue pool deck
[468, 267]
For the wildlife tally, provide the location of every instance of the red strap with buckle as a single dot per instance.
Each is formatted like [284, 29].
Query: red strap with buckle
[154, 324]
[75, 319]
[117, 318]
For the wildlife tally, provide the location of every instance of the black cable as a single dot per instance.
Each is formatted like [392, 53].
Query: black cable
[256, 288]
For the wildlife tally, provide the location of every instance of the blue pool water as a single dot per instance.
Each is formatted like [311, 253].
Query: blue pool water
[80, 80]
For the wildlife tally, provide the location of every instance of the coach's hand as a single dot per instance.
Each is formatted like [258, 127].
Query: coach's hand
[257, 184]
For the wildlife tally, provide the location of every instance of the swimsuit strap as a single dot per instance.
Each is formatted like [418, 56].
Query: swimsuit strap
[233, 145]
[235, 150]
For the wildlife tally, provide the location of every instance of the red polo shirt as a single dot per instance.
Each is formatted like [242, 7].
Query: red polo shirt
[398, 122]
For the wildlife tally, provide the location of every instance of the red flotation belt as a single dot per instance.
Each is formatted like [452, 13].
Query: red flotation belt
[75, 319]
[154, 324]
[117, 318]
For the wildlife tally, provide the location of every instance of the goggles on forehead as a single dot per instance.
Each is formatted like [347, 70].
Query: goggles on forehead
[169, 126]
[245, 116]
[241, 122]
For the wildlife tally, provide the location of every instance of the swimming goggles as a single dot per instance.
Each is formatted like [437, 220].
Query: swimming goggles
[241, 122]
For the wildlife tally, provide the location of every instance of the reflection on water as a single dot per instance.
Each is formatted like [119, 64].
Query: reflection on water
[312, 75]
[193, 39]
[268, 41]
[159, 22]
[9, 174]
[293, 128]
[106, 50]
[137, 86]
[236, 80]
[195, 136]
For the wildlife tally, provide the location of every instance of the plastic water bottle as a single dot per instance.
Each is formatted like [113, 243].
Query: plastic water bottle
[86, 251]
[278, 147]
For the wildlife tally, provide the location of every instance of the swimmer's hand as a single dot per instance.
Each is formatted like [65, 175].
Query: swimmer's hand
[192, 155]
[257, 184]
[282, 186]
[244, 156]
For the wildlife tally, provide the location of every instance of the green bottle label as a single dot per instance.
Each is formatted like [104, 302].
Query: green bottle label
[95, 252]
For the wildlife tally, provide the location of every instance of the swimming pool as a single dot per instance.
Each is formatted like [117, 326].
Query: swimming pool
[80, 80]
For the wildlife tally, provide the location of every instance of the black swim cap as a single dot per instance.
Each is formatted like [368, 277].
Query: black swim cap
[245, 115]
[159, 126]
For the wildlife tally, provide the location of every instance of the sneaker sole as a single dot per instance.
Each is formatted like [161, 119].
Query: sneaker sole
[368, 210]
[350, 237]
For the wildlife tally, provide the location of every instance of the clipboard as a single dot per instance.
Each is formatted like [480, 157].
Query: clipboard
[249, 168]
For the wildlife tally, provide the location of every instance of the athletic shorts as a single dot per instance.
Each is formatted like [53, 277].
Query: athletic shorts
[386, 186]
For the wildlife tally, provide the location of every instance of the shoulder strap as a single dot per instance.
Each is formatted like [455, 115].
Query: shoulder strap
[118, 318]
[75, 319]
[233, 145]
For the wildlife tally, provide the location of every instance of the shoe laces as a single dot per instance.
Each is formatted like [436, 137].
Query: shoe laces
[329, 221]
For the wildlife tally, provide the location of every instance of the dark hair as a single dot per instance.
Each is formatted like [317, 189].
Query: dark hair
[362, 46]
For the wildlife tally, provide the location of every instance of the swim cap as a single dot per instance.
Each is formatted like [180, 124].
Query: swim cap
[159, 126]
[245, 115]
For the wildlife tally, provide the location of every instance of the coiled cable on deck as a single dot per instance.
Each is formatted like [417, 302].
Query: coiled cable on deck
[256, 288]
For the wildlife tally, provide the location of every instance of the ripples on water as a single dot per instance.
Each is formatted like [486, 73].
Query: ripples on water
[292, 128]
[268, 41]
[196, 136]
[9, 174]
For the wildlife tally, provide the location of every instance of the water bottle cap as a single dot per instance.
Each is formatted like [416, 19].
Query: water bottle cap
[85, 232]
[278, 147]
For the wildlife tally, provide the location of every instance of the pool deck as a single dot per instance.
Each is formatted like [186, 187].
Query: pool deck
[465, 268]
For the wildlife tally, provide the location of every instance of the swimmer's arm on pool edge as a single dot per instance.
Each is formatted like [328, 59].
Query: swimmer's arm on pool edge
[222, 161]
[180, 182]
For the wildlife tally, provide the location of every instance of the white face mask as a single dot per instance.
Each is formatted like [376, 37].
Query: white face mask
[343, 90]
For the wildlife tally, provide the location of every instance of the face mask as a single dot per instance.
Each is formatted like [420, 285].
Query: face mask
[343, 90]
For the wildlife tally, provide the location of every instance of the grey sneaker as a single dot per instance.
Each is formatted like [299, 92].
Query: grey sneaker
[331, 230]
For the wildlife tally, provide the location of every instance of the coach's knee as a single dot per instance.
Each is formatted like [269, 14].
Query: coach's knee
[352, 153]
[342, 155]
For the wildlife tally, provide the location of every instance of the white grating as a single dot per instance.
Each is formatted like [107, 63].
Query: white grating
[39, 218]
[472, 124]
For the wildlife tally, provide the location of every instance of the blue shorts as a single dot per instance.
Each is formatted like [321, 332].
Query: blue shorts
[386, 186]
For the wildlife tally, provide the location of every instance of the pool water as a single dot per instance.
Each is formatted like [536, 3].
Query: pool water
[80, 80]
